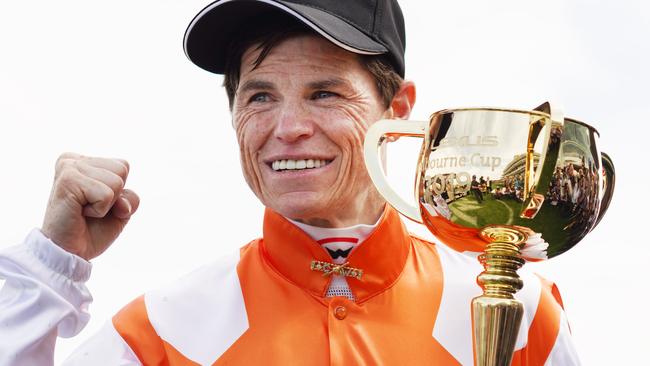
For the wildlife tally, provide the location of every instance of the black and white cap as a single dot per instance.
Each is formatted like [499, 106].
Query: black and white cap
[367, 27]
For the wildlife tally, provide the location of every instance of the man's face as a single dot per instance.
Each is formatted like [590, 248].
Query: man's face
[301, 118]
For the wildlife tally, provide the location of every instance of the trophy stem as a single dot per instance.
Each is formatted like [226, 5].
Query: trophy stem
[497, 314]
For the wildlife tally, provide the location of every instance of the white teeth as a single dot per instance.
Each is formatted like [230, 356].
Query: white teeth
[290, 164]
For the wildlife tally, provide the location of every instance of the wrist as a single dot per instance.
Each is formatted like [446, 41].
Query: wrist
[56, 258]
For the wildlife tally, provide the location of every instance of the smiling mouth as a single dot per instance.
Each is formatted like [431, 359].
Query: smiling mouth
[290, 164]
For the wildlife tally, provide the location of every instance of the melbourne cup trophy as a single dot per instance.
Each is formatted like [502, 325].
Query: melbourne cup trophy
[508, 186]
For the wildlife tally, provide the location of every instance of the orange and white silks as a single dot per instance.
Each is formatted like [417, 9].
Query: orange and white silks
[265, 306]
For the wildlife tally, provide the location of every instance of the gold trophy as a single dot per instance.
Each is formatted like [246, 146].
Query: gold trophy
[512, 185]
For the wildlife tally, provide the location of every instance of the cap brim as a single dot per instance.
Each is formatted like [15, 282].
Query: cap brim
[211, 31]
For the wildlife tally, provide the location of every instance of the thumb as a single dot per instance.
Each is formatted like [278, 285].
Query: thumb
[125, 205]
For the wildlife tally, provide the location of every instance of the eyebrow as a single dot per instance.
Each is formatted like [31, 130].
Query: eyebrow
[327, 83]
[314, 85]
[256, 85]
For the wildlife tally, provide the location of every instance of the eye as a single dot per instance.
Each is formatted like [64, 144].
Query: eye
[322, 94]
[260, 98]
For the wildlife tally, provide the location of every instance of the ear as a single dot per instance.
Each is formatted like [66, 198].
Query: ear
[403, 101]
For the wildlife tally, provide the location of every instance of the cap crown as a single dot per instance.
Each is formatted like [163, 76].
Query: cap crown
[360, 26]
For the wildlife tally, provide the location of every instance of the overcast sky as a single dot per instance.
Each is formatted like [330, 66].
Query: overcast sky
[110, 79]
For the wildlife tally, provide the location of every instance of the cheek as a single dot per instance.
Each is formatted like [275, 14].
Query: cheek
[350, 129]
[252, 132]
[251, 136]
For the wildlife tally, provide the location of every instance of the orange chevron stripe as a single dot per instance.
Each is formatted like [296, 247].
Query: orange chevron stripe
[132, 323]
[544, 328]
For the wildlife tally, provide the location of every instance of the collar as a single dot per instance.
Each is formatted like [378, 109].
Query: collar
[382, 256]
[359, 231]
[338, 241]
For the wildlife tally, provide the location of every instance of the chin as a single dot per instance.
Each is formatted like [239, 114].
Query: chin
[297, 205]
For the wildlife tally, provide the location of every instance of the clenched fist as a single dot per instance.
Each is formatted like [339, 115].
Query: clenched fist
[88, 206]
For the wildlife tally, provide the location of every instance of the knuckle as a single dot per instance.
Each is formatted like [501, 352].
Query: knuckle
[68, 155]
[125, 163]
[67, 177]
[67, 186]
[65, 160]
[111, 179]
[101, 200]
[60, 163]
[118, 184]
[123, 169]
[107, 194]
[75, 164]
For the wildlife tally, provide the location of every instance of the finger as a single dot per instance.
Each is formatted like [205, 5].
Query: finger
[96, 197]
[114, 182]
[121, 208]
[133, 199]
[125, 205]
[111, 179]
[68, 156]
[117, 166]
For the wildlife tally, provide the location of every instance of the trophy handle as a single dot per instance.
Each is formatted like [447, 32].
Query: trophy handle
[375, 137]
[541, 177]
[608, 183]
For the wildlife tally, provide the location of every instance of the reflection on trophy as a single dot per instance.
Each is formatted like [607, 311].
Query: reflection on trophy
[511, 185]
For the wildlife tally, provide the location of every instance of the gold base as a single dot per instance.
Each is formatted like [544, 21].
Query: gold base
[496, 314]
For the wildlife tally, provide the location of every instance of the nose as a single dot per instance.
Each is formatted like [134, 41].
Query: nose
[293, 124]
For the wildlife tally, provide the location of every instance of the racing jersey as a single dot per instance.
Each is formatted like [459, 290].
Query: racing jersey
[268, 304]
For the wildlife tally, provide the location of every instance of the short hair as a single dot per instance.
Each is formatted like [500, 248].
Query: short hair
[268, 35]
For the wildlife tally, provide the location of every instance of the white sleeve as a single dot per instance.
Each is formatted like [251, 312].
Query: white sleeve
[563, 352]
[44, 296]
[104, 348]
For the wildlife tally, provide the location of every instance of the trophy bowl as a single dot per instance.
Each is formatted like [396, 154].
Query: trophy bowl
[506, 185]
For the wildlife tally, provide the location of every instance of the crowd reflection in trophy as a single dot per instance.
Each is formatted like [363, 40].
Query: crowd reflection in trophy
[572, 194]
[574, 188]
[513, 187]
